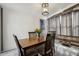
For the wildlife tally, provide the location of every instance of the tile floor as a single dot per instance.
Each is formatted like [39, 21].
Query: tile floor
[14, 52]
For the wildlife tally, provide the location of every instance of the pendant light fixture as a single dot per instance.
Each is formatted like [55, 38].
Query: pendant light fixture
[45, 9]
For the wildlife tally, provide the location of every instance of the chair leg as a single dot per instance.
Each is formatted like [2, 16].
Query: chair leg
[53, 52]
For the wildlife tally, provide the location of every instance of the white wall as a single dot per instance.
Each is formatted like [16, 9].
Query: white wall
[18, 22]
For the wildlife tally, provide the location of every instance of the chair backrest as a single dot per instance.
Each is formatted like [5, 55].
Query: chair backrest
[48, 44]
[18, 45]
[32, 35]
[53, 34]
[50, 41]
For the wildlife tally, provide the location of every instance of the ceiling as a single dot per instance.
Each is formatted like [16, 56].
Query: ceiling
[34, 8]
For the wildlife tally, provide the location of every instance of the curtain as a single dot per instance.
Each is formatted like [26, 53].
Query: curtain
[69, 24]
[63, 25]
[52, 24]
[58, 24]
[75, 23]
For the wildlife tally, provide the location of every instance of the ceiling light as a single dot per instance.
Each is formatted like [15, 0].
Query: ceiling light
[45, 9]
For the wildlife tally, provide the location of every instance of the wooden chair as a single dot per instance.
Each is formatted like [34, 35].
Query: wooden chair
[18, 45]
[32, 35]
[29, 52]
[53, 34]
[47, 50]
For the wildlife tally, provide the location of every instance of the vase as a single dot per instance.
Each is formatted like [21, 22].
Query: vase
[38, 34]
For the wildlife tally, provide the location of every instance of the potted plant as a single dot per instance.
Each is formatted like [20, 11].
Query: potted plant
[38, 30]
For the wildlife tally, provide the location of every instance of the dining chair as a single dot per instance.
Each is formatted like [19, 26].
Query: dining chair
[29, 52]
[18, 45]
[48, 50]
[32, 35]
[53, 34]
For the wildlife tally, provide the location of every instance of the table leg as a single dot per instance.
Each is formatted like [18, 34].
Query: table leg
[24, 52]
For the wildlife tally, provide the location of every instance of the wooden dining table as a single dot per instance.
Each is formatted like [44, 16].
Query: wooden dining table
[33, 42]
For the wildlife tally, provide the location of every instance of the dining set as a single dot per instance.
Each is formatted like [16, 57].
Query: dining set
[35, 45]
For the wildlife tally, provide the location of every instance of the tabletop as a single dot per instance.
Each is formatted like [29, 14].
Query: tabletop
[25, 43]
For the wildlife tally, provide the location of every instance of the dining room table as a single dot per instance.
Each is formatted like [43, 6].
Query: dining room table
[27, 43]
